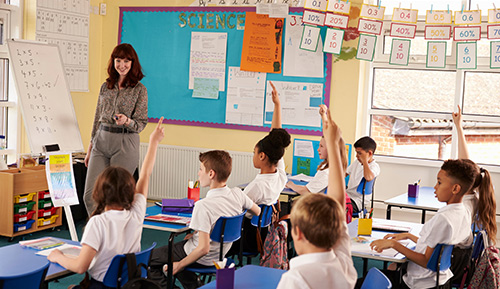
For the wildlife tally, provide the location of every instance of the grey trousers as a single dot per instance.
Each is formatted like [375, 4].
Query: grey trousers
[110, 149]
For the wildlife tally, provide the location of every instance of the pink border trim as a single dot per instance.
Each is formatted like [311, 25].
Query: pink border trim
[404, 24]
[336, 26]
[430, 26]
[468, 27]
[369, 20]
[224, 125]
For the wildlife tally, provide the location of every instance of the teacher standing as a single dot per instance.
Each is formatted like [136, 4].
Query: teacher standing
[121, 114]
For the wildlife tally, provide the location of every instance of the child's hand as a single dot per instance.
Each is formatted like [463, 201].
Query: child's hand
[188, 236]
[381, 245]
[276, 99]
[176, 268]
[330, 128]
[323, 109]
[289, 184]
[457, 117]
[159, 133]
[397, 237]
[54, 255]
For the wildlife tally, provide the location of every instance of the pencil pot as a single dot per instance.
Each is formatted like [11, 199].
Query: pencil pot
[365, 226]
[224, 278]
[413, 190]
[194, 194]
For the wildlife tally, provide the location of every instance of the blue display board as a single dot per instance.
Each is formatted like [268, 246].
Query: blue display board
[162, 39]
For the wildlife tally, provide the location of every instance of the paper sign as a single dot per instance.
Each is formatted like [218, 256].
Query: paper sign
[303, 148]
[370, 26]
[437, 32]
[471, 17]
[208, 57]
[495, 54]
[337, 6]
[310, 36]
[466, 55]
[262, 45]
[319, 5]
[400, 52]
[493, 31]
[263, 8]
[403, 30]
[469, 33]
[278, 10]
[313, 18]
[436, 54]
[438, 17]
[61, 180]
[333, 40]
[372, 12]
[206, 88]
[366, 47]
[493, 15]
[336, 20]
[405, 15]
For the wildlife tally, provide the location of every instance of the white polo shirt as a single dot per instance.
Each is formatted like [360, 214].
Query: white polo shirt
[355, 172]
[332, 269]
[114, 232]
[221, 202]
[451, 225]
[470, 203]
[266, 188]
[319, 183]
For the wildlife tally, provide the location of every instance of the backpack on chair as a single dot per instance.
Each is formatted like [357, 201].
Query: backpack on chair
[487, 273]
[135, 280]
[274, 251]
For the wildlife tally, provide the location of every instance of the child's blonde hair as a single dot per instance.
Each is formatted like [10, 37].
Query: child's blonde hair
[114, 186]
[319, 218]
[343, 157]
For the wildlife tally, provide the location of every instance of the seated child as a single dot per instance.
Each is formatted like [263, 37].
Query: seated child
[364, 166]
[198, 249]
[319, 230]
[115, 226]
[451, 225]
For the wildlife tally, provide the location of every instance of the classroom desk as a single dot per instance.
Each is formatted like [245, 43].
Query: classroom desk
[173, 229]
[16, 259]
[415, 229]
[426, 201]
[252, 276]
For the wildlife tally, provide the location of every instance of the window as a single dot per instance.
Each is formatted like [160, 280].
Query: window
[410, 108]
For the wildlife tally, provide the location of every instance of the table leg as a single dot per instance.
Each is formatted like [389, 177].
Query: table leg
[289, 204]
[170, 270]
[388, 214]
[423, 216]
[365, 266]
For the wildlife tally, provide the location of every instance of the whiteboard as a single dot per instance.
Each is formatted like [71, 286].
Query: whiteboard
[46, 104]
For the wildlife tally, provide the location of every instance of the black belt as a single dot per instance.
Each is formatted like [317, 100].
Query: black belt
[115, 129]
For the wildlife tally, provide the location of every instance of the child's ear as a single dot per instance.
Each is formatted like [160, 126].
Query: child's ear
[211, 174]
[456, 189]
[262, 156]
[298, 233]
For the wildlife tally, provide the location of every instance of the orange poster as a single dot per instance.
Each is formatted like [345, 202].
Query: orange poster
[262, 43]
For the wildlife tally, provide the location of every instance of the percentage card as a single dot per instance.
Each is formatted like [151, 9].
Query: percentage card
[469, 33]
[403, 30]
[310, 35]
[493, 15]
[436, 54]
[400, 52]
[313, 18]
[493, 31]
[336, 20]
[495, 54]
[319, 5]
[337, 6]
[471, 17]
[333, 40]
[466, 55]
[370, 26]
[405, 15]
[366, 47]
[372, 12]
[438, 17]
[437, 32]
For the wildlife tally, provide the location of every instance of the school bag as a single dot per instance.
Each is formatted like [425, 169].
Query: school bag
[135, 280]
[274, 251]
[487, 272]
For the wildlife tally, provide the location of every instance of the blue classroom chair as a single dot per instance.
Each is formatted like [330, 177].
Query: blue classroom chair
[440, 260]
[113, 279]
[375, 279]
[365, 188]
[226, 230]
[263, 220]
[28, 280]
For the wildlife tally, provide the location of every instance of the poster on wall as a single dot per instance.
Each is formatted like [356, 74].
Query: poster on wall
[61, 180]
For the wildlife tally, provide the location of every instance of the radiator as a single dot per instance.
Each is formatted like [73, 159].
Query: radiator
[176, 165]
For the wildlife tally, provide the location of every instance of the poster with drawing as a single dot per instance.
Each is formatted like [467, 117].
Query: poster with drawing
[61, 180]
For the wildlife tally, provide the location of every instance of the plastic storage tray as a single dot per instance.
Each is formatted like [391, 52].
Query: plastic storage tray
[45, 204]
[43, 195]
[23, 226]
[23, 208]
[24, 198]
[47, 221]
[23, 217]
[47, 212]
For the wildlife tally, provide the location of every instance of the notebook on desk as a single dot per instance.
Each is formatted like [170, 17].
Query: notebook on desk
[169, 219]
[390, 228]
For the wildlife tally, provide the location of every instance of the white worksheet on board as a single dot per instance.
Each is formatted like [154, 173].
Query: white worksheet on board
[245, 97]
[299, 103]
[208, 57]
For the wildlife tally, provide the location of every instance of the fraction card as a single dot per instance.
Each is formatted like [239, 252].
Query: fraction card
[466, 55]
[366, 47]
[310, 37]
[495, 54]
[400, 52]
[333, 40]
[436, 54]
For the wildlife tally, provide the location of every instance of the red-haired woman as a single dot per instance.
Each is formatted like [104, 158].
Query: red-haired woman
[121, 113]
